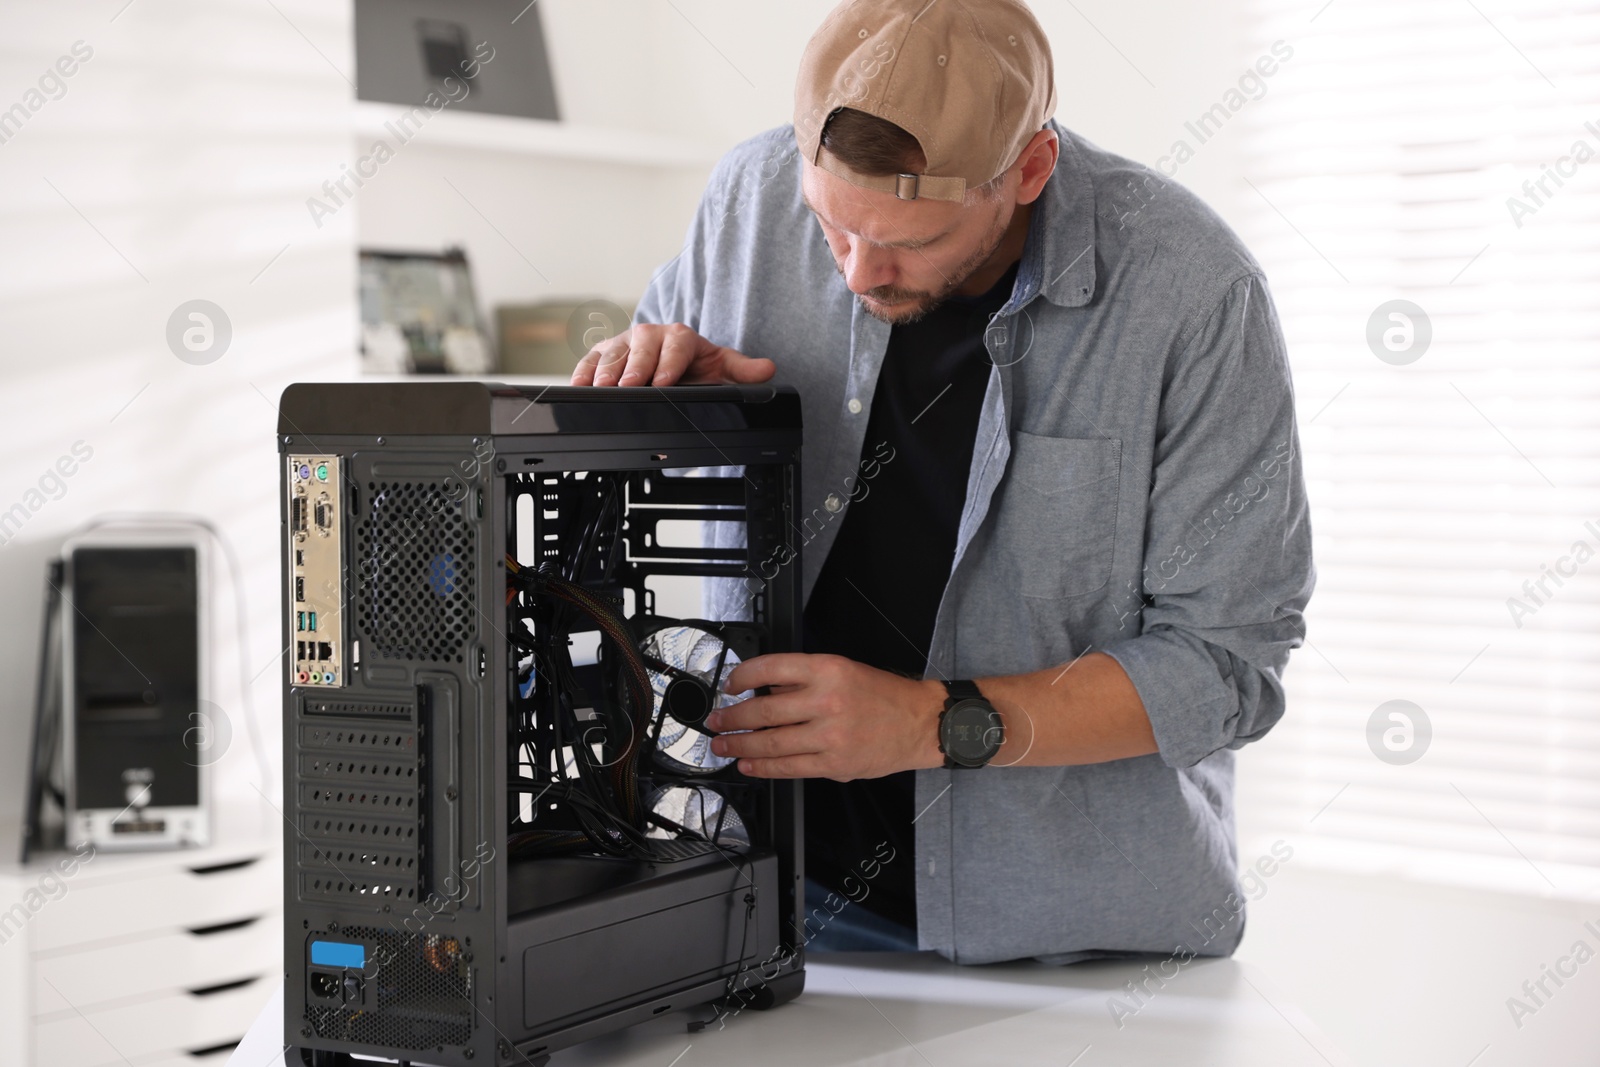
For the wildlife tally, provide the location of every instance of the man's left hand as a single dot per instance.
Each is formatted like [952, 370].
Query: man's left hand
[827, 717]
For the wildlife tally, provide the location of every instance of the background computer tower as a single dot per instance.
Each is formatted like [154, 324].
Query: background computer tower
[134, 680]
[459, 888]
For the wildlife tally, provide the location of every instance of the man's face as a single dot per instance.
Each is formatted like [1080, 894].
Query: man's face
[902, 258]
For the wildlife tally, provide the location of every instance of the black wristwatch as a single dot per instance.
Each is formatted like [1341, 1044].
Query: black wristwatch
[970, 730]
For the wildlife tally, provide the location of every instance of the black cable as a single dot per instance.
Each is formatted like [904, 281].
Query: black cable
[546, 584]
[609, 570]
[591, 776]
[596, 811]
[564, 839]
[749, 913]
[722, 814]
[600, 784]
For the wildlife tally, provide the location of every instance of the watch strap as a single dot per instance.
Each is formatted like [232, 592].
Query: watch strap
[962, 689]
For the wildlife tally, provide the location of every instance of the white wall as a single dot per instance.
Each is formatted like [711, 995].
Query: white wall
[175, 167]
[713, 72]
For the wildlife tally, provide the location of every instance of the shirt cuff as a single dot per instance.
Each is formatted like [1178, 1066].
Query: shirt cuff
[1193, 709]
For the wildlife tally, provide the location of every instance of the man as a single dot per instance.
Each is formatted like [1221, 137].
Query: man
[1050, 459]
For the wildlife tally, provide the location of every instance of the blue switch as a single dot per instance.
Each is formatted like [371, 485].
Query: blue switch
[338, 954]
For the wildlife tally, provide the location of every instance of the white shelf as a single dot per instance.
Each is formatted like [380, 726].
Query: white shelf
[530, 137]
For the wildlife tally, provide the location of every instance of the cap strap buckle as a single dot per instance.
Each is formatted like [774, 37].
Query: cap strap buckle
[906, 186]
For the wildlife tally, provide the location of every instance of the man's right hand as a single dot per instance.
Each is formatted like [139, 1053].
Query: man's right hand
[667, 355]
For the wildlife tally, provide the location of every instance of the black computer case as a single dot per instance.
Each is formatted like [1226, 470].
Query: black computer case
[497, 843]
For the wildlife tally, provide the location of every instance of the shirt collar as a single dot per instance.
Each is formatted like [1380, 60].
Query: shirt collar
[1058, 259]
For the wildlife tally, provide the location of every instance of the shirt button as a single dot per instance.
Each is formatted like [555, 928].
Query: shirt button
[833, 503]
[854, 406]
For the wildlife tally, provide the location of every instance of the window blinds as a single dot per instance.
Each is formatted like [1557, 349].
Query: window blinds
[1447, 155]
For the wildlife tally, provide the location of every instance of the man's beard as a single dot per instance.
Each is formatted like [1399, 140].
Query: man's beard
[926, 302]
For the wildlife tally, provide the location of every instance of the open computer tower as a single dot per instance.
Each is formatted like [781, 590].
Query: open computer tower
[505, 831]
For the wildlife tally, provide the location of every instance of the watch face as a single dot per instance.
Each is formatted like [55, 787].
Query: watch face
[971, 732]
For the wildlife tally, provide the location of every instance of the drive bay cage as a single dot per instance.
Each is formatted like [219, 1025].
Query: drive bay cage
[505, 829]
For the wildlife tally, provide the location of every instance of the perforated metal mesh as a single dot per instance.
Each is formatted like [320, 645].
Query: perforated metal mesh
[416, 572]
[358, 859]
[373, 831]
[320, 766]
[336, 887]
[419, 989]
[360, 708]
[351, 797]
[358, 800]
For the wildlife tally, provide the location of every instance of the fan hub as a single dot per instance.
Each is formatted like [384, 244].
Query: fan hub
[688, 701]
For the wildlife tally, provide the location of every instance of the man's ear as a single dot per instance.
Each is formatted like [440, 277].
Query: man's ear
[1037, 162]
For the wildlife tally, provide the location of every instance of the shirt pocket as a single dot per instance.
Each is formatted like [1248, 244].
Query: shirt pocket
[1058, 518]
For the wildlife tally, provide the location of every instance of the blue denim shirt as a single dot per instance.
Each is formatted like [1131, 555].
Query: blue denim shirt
[1135, 489]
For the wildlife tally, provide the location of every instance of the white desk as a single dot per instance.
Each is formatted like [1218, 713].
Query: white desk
[917, 1010]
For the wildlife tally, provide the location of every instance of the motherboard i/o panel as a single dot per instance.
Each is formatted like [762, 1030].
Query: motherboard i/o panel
[508, 830]
[316, 551]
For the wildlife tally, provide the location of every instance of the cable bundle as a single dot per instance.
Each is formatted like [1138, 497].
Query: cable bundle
[622, 810]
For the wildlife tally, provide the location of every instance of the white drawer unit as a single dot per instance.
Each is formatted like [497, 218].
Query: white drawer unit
[205, 957]
[153, 960]
[133, 1032]
[183, 896]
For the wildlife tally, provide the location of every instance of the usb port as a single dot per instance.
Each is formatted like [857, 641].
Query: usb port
[299, 620]
[311, 621]
[300, 589]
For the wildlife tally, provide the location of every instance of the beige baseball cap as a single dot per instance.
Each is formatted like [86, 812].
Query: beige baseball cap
[971, 80]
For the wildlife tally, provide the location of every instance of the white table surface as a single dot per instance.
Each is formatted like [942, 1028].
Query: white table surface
[918, 1010]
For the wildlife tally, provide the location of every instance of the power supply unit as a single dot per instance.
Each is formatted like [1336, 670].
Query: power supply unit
[505, 829]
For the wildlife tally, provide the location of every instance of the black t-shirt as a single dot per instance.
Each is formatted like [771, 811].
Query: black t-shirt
[879, 590]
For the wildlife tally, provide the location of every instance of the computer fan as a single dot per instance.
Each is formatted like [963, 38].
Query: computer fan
[699, 809]
[688, 660]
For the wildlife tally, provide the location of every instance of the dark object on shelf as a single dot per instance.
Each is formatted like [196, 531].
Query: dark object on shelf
[505, 830]
[476, 55]
[419, 314]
